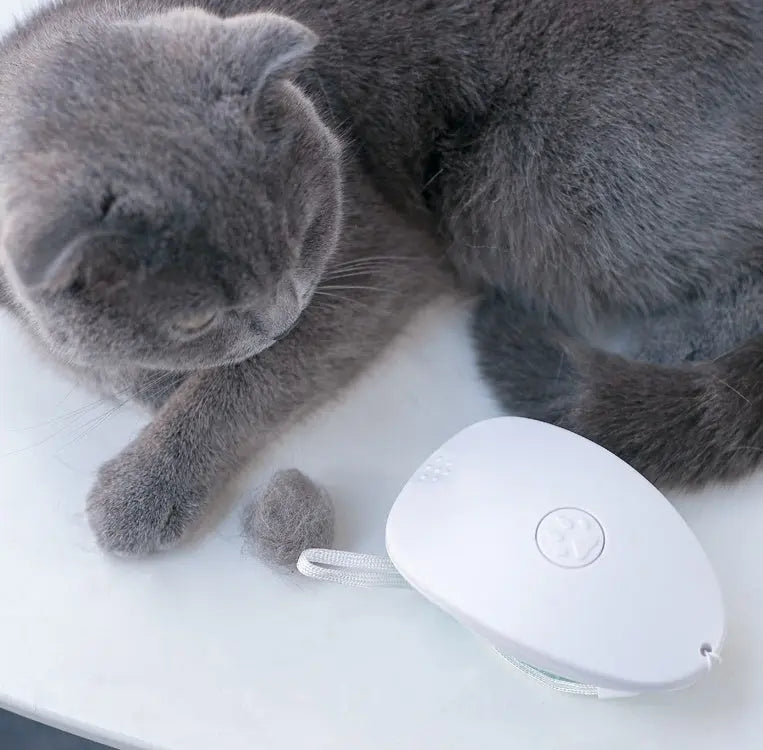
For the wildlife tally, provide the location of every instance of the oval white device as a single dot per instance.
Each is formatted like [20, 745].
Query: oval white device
[561, 555]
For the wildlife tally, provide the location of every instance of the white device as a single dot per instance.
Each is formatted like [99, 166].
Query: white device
[559, 553]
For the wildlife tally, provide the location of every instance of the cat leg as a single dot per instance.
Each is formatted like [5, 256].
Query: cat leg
[684, 407]
[148, 496]
[158, 486]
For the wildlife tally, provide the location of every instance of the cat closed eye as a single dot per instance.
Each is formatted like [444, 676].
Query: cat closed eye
[194, 324]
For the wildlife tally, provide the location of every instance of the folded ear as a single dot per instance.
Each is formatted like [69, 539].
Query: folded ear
[43, 253]
[48, 249]
[251, 50]
[270, 47]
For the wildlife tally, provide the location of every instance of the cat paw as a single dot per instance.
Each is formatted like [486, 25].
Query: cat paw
[137, 506]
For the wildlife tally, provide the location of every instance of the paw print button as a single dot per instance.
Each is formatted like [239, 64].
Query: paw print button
[570, 537]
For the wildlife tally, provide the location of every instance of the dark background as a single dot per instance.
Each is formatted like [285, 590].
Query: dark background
[17, 733]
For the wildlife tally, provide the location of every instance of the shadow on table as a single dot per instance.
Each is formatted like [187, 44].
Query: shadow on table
[17, 733]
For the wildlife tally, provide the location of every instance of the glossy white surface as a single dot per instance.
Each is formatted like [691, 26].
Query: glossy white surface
[203, 648]
[465, 532]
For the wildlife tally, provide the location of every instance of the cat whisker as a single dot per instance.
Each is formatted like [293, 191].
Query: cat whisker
[359, 288]
[88, 408]
[96, 422]
[432, 178]
[374, 259]
[53, 435]
[348, 275]
[734, 390]
[370, 270]
[74, 413]
[92, 424]
[343, 299]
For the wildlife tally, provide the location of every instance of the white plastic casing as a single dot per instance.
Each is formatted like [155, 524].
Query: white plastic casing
[616, 592]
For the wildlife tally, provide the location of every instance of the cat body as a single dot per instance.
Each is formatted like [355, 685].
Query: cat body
[226, 212]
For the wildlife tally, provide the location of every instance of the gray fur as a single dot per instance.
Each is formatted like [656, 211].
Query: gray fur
[177, 192]
[147, 497]
[290, 514]
[702, 329]
[682, 404]
[242, 218]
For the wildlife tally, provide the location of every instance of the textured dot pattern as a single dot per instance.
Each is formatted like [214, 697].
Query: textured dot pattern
[436, 470]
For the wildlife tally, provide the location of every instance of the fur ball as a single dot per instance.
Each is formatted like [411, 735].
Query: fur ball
[290, 514]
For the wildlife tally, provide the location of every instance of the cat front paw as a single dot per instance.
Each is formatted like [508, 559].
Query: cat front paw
[139, 505]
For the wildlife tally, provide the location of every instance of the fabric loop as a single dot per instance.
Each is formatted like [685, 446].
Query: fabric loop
[349, 568]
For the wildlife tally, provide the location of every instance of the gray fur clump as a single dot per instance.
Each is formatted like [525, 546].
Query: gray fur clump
[290, 514]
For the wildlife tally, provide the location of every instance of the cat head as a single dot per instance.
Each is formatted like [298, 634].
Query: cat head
[168, 197]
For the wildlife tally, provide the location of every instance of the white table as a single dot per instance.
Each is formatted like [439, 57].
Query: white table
[204, 648]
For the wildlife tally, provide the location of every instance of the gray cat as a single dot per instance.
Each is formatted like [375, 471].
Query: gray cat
[182, 188]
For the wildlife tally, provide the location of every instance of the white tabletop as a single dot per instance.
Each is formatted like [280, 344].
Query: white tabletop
[205, 648]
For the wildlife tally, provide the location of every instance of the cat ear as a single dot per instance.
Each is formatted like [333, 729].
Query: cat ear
[250, 50]
[43, 254]
[51, 263]
[267, 48]
[49, 253]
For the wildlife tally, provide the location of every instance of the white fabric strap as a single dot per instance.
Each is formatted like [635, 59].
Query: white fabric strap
[349, 568]
[551, 680]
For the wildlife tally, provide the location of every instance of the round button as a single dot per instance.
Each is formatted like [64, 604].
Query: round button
[569, 537]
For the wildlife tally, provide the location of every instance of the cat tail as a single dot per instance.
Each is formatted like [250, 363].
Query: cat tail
[683, 425]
